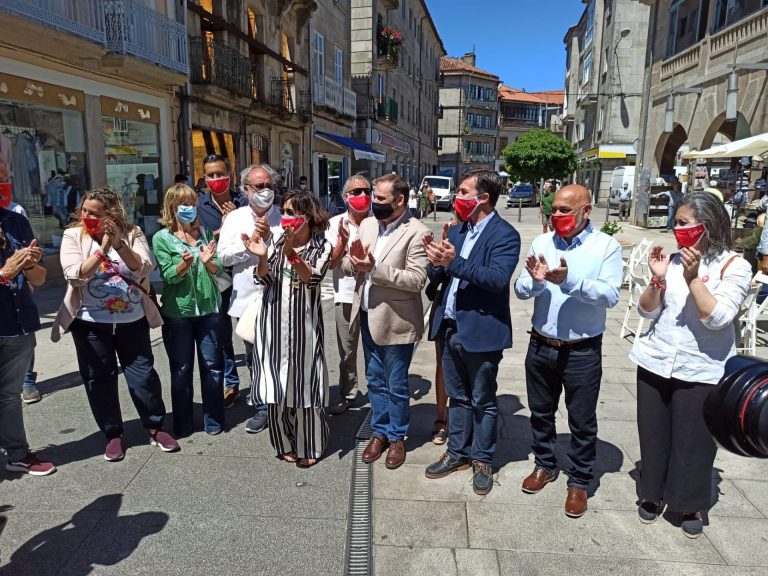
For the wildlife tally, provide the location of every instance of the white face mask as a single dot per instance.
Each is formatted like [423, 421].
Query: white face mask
[262, 199]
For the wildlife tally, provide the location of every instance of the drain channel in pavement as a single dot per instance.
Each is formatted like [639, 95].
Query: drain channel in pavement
[359, 554]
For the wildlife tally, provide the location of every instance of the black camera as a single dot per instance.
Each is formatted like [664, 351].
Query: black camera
[736, 410]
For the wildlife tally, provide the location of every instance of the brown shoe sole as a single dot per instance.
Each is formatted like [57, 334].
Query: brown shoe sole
[372, 460]
[394, 466]
[444, 474]
[572, 515]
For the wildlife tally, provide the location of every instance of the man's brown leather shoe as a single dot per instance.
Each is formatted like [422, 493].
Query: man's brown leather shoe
[375, 447]
[576, 502]
[395, 455]
[537, 480]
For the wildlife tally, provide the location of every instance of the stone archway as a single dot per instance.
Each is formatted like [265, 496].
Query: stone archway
[667, 148]
[733, 130]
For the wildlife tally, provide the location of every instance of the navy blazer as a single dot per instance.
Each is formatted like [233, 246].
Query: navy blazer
[483, 320]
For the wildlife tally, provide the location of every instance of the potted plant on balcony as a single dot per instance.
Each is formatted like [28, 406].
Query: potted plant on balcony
[388, 43]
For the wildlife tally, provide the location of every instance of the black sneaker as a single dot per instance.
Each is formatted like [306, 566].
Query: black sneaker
[649, 512]
[446, 465]
[257, 423]
[30, 395]
[482, 480]
[692, 525]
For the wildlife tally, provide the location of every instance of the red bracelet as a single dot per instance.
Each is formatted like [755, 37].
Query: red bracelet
[101, 256]
[294, 259]
[660, 284]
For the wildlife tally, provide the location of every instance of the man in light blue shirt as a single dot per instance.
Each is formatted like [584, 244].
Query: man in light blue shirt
[574, 275]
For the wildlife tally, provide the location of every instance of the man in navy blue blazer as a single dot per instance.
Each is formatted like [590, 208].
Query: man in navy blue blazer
[473, 262]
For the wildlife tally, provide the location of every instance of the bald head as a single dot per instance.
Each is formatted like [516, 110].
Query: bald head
[574, 195]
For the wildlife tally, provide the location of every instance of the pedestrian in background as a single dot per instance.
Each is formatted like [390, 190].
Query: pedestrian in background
[474, 262]
[692, 298]
[574, 275]
[413, 201]
[191, 302]
[343, 229]
[424, 199]
[260, 217]
[221, 200]
[545, 206]
[19, 269]
[390, 268]
[107, 308]
[290, 374]
[625, 200]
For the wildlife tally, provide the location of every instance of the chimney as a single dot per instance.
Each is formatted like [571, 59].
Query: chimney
[469, 58]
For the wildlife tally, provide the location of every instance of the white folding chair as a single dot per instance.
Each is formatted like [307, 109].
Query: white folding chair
[637, 261]
[747, 321]
[638, 283]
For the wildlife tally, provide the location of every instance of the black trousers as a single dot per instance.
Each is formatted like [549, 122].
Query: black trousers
[676, 448]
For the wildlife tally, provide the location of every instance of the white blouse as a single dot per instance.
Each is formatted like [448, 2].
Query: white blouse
[681, 345]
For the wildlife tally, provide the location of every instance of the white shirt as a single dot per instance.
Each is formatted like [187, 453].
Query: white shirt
[381, 242]
[343, 286]
[232, 252]
[681, 345]
[413, 199]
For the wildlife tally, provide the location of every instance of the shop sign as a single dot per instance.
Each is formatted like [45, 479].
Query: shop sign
[30, 90]
[127, 110]
[379, 137]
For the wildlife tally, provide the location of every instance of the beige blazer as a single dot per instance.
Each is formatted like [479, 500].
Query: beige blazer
[395, 310]
[75, 248]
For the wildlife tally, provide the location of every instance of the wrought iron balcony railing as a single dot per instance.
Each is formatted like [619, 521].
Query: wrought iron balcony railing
[282, 94]
[217, 64]
[84, 18]
[387, 110]
[135, 30]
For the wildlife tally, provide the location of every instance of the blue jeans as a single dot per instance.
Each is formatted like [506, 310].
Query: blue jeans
[231, 377]
[549, 371]
[15, 355]
[30, 377]
[387, 374]
[180, 335]
[470, 382]
[96, 345]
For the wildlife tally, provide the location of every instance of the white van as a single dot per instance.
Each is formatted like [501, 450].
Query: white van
[444, 190]
[620, 175]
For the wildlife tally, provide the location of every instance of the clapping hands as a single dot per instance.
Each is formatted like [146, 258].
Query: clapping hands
[361, 257]
[439, 254]
[255, 244]
[207, 252]
[540, 271]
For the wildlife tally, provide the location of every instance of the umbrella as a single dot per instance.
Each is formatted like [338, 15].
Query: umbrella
[753, 146]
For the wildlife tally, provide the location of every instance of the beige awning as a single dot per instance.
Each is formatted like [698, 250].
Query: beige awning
[754, 146]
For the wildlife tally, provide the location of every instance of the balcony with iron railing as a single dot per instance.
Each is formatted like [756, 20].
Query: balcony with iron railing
[479, 131]
[134, 30]
[214, 63]
[281, 95]
[387, 110]
[84, 18]
[350, 102]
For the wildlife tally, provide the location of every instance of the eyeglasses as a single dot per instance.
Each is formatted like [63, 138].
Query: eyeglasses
[289, 212]
[358, 191]
[256, 187]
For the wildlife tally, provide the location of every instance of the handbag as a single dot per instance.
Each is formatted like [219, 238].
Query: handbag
[246, 324]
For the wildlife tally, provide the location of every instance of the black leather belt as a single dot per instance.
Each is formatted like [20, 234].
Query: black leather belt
[565, 344]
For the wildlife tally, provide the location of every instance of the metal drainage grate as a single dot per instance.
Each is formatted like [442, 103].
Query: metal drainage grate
[359, 553]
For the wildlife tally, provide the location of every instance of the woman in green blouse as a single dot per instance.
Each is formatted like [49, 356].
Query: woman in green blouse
[186, 255]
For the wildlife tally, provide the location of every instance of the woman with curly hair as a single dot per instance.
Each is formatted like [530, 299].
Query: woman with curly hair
[289, 369]
[108, 310]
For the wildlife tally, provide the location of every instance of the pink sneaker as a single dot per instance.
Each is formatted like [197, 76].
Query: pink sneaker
[164, 441]
[114, 451]
[31, 464]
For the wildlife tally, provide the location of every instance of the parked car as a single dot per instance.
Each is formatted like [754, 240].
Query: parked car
[520, 194]
[443, 188]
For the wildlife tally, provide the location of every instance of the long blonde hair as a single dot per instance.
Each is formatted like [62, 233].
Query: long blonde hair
[113, 206]
[175, 196]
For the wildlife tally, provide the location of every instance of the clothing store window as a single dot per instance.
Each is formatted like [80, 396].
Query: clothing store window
[132, 154]
[42, 153]
[207, 142]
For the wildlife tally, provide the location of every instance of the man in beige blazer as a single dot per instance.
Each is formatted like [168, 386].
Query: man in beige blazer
[390, 266]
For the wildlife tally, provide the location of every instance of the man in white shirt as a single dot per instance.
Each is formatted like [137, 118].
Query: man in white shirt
[357, 195]
[260, 216]
[625, 199]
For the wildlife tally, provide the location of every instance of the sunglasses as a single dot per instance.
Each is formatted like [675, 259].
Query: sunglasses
[358, 191]
[256, 187]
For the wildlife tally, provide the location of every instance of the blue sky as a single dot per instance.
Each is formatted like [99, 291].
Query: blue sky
[521, 41]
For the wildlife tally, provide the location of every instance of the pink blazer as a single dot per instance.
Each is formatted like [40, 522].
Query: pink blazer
[75, 248]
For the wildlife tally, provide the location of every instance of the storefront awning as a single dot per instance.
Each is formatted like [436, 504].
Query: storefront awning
[754, 146]
[360, 150]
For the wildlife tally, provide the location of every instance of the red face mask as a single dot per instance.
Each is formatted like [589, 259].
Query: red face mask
[218, 185]
[294, 222]
[689, 236]
[465, 207]
[91, 225]
[5, 194]
[360, 203]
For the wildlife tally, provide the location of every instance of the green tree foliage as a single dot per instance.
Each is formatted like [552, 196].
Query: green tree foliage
[540, 154]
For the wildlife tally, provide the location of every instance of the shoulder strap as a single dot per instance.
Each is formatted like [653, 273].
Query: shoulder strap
[725, 267]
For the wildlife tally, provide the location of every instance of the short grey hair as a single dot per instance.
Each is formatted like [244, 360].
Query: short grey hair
[709, 210]
[355, 178]
[245, 174]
